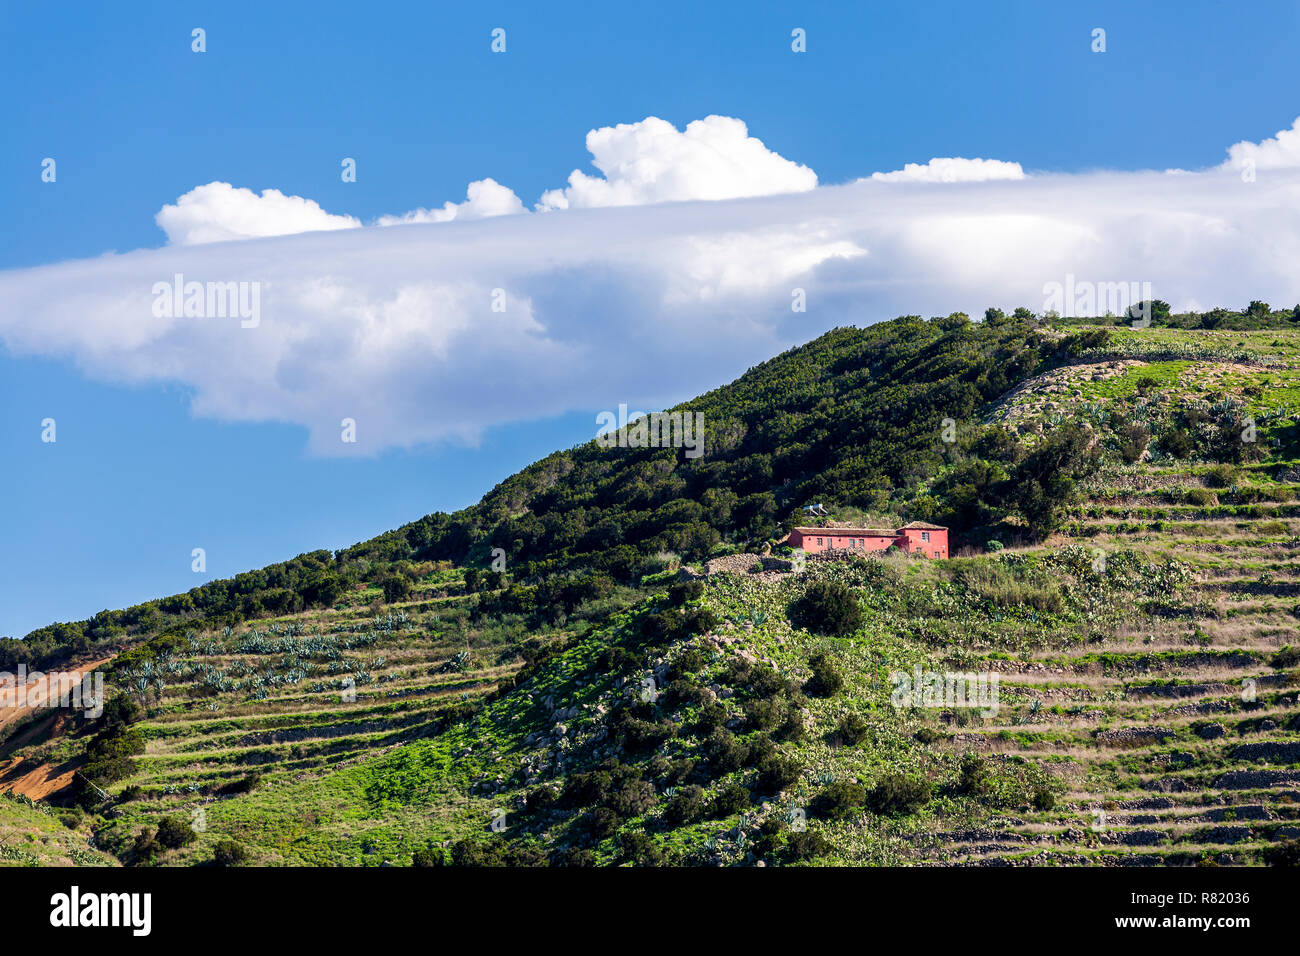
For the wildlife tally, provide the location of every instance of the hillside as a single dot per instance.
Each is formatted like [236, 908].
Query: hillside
[1124, 506]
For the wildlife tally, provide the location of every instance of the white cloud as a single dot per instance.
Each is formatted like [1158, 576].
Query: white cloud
[485, 198]
[954, 169]
[645, 304]
[218, 212]
[653, 162]
[643, 163]
[1280, 152]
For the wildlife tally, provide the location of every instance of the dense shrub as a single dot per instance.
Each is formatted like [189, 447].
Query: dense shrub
[724, 752]
[973, 779]
[688, 662]
[396, 588]
[640, 849]
[242, 785]
[732, 798]
[806, 845]
[895, 795]
[710, 717]
[496, 852]
[229, 853]
[1220, 476]
[840, 800]
[852, 730]
[146, 847]
[1286, 853]
[827, 607]
[764, 712]
[685, 592]
[777, 773]
[600, 823]
[1288, 656]
[826, 680]
[175, 832]
[685, 806]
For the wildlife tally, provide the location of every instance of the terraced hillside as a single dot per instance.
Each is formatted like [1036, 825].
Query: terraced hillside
[1127, 517]
[1176, 733]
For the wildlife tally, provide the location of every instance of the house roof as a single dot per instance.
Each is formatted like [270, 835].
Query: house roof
[872, 532]
[865, 532]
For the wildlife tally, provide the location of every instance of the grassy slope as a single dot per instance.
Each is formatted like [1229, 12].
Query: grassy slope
[33, 835]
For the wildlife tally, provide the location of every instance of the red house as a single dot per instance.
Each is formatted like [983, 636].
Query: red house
[928, 540]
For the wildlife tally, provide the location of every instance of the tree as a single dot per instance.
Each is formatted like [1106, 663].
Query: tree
[1152, 310]
[1045, 482]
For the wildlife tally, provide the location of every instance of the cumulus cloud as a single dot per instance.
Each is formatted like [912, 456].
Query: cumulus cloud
[642, 163]
[952, 169]
[485, 198]
[1280, 152]
[653, 162]
[438, 331]
[218, 212]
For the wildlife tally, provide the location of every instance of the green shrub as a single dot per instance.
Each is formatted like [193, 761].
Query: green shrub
[732, 798]
[242, 785]
[1288, 656]
[765, 712]
[852, 730]
[229, 853]
[973, 779]
[1203, 497]
[826, 680]
[895, 795]
[688, 662]
[1286, 853]
[1220, 476]
[724, 752]
[840, 800]
[806, 845]
[685, 593]
[396, 588]
[685, 806]
[640, 849]
[146, 848]
[777, 773]
[175, 832]
[827, 607]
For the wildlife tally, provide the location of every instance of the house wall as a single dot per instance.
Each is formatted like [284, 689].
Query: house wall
[840, 542]
[913, 539]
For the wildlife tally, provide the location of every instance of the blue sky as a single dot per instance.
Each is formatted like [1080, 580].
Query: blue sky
[107, 515]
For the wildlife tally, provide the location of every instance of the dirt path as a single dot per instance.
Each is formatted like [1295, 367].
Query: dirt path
[16, 705]
[35, 784]
[44, 779]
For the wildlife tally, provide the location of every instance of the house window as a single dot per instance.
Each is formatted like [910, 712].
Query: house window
[819, 542]
[925, 536]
